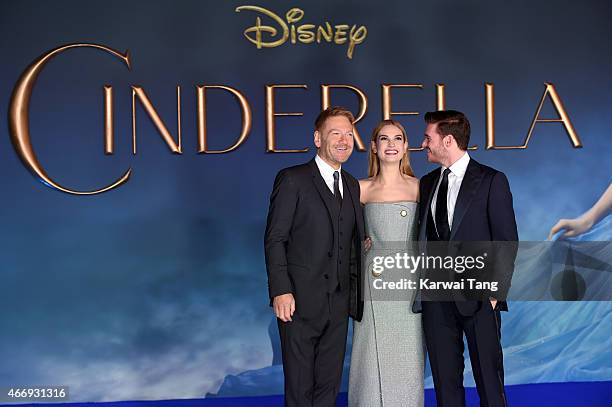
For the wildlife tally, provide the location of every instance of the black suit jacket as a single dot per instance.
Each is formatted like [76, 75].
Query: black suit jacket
[483, 212]
[299, 238]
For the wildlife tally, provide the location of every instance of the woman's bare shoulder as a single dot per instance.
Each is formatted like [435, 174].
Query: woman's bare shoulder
[409, 179]
[413, 185]
[364, 186]
[365, 182]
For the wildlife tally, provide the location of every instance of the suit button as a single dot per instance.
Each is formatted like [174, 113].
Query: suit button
[329, 254]
[340, 248]
[339, 261]
[340, 218]
[326, 276]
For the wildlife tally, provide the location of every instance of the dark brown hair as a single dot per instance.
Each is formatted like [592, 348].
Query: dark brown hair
[330, 112]
[451, 122]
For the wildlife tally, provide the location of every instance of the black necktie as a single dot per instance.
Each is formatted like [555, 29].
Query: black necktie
[441, 209]
[337, 188]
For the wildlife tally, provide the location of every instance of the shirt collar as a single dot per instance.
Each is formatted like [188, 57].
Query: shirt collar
[325, 169]
[459, 167]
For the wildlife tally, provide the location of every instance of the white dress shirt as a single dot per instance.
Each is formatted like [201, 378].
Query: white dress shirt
[458, 169]
[327, 172]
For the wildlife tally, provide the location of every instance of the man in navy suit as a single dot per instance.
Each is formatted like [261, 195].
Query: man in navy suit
[464, 201]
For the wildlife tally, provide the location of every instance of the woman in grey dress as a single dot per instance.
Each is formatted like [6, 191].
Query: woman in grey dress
[387, 359]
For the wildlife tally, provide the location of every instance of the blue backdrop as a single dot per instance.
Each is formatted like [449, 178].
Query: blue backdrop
[157, 289]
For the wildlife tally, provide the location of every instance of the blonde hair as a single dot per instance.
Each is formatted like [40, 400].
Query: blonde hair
[373, 160]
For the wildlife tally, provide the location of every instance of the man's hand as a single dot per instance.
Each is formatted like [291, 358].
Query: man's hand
[284, 307]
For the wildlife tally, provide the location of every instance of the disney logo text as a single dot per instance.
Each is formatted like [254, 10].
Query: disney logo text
[304, 33]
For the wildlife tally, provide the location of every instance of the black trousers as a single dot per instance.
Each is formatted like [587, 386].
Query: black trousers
[444, 327]
[313, 353]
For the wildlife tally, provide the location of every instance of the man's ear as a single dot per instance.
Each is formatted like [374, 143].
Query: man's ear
[317, 138]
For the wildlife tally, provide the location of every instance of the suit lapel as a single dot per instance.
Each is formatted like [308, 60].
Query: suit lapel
[321, 187]
[469, 187]
[353, 195]
[427, 208]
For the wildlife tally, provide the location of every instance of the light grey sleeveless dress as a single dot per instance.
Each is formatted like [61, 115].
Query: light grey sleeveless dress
[387, 359]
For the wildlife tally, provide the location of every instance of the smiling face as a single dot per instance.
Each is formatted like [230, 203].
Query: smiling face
[335, 140]
[390, 144]
[433, 143]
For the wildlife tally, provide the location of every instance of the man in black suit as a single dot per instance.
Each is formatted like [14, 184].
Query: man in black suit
[313, 244]
[465, 201]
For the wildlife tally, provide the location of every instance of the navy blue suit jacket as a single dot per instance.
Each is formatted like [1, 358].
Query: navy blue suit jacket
[483, 212]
